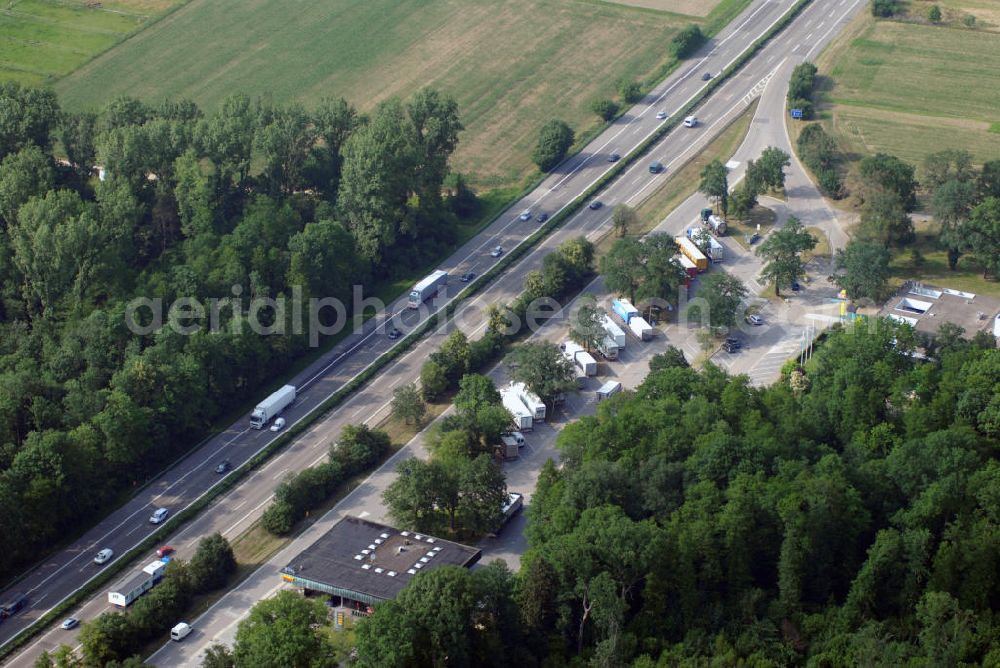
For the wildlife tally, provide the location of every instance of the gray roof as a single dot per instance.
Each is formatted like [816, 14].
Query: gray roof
[926, 307]
[371, 562]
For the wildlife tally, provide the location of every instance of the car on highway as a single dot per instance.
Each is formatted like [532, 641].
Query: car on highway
[660, 115]
[70, 623]
[16, 602]
[754, 319]
[468, 276]
[614, 157]
[542, 217]
[707, 76]
[223, 466]
[104, 556]
[165, 551]
[279, 424]
[525, 215]
[159, 515]
[394, 333]
[595, 205]
[656, 167]
[690, 121]
[497, 252]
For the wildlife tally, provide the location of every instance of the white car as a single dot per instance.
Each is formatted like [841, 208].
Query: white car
[497, 252]
[279, 424]
[159, 515]
[525, 215]
[70, 623]
[104, 556]
[661, 115]
[690, 121]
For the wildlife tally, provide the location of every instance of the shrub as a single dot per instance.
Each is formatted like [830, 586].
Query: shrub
[606, 109]
[687, 41]
[630, 91]
[279, 518]
[212, 564]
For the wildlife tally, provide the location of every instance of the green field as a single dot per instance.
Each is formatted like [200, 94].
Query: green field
[511, 66]
[911, 89]
[41, 40]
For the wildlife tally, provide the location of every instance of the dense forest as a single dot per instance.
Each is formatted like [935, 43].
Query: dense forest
[167, 202]
[847, 515]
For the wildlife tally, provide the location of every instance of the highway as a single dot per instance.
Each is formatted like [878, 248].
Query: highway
[64, 573]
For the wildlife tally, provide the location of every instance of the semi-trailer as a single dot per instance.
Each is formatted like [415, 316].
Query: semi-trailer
[580, 358]
[272, 406]
[691, 252]
[427, 288]
[518, 411]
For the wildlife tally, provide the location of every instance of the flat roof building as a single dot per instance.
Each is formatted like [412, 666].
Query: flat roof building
[367, 562]
[925, 307]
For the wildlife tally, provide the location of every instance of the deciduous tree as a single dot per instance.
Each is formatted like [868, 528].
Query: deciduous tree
[782, 251]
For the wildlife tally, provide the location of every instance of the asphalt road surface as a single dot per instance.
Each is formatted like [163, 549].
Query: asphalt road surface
[63, 573]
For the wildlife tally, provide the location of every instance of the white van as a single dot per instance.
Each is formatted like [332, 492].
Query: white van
[180, 632]
[610, 388]
[690, 121]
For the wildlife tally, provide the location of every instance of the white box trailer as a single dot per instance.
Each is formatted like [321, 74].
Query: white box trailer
[519, 412]
[583, 360]
[609, 348]
[610, 388]
[126, 592]
[272, 406]
[640, 328]
[716, 251]
[427, 288]
[531, 401]
[616, 333]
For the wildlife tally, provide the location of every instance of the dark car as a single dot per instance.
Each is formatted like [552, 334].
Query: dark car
[596, 204]
[14, 604]
[223, 466]
[795, 286]
[394, 333]
[706, 76]
[754, 238]
[542, 217]
[468, 276]
[730, 348]
[655, 167]
[614, 157]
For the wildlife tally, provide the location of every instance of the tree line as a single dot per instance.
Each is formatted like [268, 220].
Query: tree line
[844, 513]
[254, 200]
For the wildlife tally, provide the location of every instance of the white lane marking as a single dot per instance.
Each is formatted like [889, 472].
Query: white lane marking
[241, 520]
[832, 28]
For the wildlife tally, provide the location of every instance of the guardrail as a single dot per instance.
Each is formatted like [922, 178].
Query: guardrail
[401, 347]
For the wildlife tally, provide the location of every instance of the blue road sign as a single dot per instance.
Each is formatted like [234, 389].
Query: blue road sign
[796, 113]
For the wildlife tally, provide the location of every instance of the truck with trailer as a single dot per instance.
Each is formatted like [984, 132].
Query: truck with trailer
[427, 288]
[580, 358]
[689, 267]
[717, 225]
[531, 401]
[128, 591]
[272, 406]
[519, 412]
[630, 316]
[608, 348]
[691, 252]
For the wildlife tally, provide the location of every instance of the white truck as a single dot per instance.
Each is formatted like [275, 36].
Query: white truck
[642, 329]
[609, 389]
[716, 251]
[272, 406]
[583, 360]
[616, 333]
[531, 401]
[609, 348]
[427, 288]
[516, 408]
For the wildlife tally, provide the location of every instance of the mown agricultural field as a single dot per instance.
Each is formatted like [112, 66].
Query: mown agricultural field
[910, 88]
[41, 40]
[511, 66]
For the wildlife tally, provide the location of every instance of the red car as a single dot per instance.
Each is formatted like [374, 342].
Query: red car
[164, 551]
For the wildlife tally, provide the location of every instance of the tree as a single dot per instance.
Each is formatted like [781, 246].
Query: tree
[604, 108]
[418, 493]
[950, 178]
[623, 218]
[482, 490]
[433, 380]
[866, 269]
[23, 175]
[453, 356]
[884, 8]
[724, 295]
[554, 140]
[670, 358]
[587, 328]
[663, 275]
[542, 368]
[110, 637]
[934, 14]
[476, 391]
[782, 251]
[984, 232]
[884, 219]
[218, 656]
[988, 183]
[630, 91]
[891, 173]
[30, 115]
[407, 404]
[802, 82]
[686, 41]
[284, 631]
[622, 267]
[715, 184]
[969, 21]
[212, 564]
[772, 163]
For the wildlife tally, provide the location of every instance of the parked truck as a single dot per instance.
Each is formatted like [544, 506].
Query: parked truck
[519, 412]
[716, 251]
[717, 225]
[510, 446]
[616, 333]
[691, 252]
[689, 267]
[272, 406]
[531, 401]
[609, 389]
[608, 348]
[630, 316]
[580, 358]
[427, 288]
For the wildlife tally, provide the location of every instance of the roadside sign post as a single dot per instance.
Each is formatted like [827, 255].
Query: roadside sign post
[796, 113]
